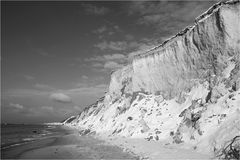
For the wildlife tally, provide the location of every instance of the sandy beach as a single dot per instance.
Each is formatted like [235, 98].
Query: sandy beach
[68, 146]
[155, 149]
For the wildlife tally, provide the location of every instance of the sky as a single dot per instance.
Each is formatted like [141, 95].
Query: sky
[57, 57]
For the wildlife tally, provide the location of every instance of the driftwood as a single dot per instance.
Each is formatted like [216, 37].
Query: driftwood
[231, 151]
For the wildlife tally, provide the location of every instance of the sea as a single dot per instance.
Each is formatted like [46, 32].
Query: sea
[18, 134]
[18, 141]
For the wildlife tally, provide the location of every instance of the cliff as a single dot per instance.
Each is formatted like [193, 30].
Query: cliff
[186, 89]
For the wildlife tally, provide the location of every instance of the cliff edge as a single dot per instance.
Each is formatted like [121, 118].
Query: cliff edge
[185, 90]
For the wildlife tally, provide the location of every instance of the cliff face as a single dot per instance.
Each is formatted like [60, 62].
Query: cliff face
[186, 89]
[121, 83]
[199, 52]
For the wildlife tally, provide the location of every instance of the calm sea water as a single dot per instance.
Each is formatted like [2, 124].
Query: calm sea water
[17, 134]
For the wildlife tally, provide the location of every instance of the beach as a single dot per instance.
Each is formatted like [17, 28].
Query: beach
[162, 149]
[69, 145]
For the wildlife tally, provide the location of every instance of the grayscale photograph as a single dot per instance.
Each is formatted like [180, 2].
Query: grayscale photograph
[117, 80]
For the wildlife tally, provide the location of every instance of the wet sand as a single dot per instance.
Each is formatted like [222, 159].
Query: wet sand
[67, 146]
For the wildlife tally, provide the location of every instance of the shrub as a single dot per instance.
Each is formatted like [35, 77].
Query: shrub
[231, 150]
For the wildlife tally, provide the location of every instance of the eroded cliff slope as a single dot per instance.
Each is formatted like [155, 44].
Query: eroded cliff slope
[186, 89]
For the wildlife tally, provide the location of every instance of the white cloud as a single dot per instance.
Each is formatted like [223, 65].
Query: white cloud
[106, 57]
[47, 108]
[77, 108]
[112, 45]
[84, 77]
[88, 90]
[80, 84]
[129, 37]
[60, 97]
[29, 77]
[95, 10]
[114, 56]
[102, 45]
[116, 27]
[156, 14]
[124, 46]
[25, 92]
[97, 65]
[115, 61]
[108, 61]
[44, 53]
[43, 86]
[112, 65]
[15, 105]
[100, 30]
[150, 19]
[106, 31]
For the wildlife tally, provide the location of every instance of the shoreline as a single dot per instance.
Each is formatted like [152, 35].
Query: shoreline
[69, 145]
[16, 151]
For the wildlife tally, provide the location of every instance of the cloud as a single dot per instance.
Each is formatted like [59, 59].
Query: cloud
[40, 107]
[150, 19]
[81, 84]
[28, 77]
[25, 92]
[108, 61]
[122, 46]
[107, 30]
[114, 56]
[77, 108]
[106, 57]
[97, 65]
[43, 53]
[84, 77]
[129, 37]
[112, 65]
[95, 10]
[16, 106]
[60, 97]
[88, 90]
[100, 30]
[112, 45]
[47, 108]
[43, 87]
[167, 17]
[145, 45]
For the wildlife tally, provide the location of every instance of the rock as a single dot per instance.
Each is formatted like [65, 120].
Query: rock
[69, 120]
[92, 133]
[159, 99]
[171, 133]
[181, 98]
[129, 118]
[149, 138]
[144, 125]
[177, 138]
[187, 77]
[84, 132]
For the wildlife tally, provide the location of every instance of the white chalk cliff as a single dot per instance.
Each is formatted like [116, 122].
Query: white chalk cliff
[186, 89]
